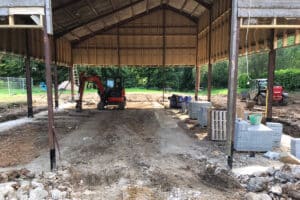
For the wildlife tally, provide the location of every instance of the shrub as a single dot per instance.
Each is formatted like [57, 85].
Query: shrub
[288, 78]
[243, 80]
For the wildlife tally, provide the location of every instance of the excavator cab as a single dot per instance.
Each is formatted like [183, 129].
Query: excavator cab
[111, 93]
[114, 93]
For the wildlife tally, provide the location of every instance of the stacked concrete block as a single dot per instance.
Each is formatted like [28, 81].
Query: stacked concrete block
[252, 137]
[277, 128]
[184, 107]
[194, 108]
[202, 116]
[295, 147]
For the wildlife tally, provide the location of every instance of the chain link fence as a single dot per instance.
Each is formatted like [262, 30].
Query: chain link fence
[13, 86]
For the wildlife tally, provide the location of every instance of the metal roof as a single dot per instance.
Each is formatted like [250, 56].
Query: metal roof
[78, 18]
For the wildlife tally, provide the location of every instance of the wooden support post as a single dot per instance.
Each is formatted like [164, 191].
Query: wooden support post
[271, 71]
[118, 49]
[55, 74]
[232, 82]
[297, 37]
[164, 53]
[28, 76]
[71, 76]
[51, 130]
[209, 71]
[197, 81]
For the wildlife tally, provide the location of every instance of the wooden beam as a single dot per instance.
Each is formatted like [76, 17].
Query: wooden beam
[187, 15]
[204, 4]
[209, 71]
[91, 7]
[297, 37]
[271, 75]
[183, 5]
[64, 5]
[136, 48]
[197, 77]
[232, 82]
[28, 76]
[98, 17]
[124, 22]
[147, 5]
[194, 10]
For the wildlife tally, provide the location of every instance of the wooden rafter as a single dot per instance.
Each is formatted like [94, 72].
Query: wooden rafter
[204, 4]
[92, 8]
[98, 17]
[147, 5]
[183, 5]
[114, 8]
[187, 15]
[65, 5]
[194, 10]
[125, 21]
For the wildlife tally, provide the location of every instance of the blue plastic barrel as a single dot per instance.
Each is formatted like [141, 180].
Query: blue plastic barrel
[43, 86]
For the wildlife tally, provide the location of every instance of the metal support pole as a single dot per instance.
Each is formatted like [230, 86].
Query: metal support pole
[209, 71]
[47, 52]
[72, 82]
[197, 81]
[232, 82]
[271, 71]
[28, 76]
[55, 74]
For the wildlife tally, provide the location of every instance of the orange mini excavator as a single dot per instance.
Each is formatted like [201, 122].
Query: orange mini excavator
[113, 93]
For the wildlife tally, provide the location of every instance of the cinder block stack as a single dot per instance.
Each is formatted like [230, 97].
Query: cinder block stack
[202, 115]
[252, 137]
[295, 147]
[194, 108]
[277, 128]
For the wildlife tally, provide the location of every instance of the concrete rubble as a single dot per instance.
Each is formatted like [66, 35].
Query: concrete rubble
[282, 183]
[24, 185]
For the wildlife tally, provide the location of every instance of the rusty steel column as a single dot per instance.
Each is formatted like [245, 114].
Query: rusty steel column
[55, 75]
[197, 77]
[271, 71]
[209, 71]
[232, 82]
[47, 51]
[28, 76]
[72, 82]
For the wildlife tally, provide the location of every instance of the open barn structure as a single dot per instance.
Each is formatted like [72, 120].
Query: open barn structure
[144, 33]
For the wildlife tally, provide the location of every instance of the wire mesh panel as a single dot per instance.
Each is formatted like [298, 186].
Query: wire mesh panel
[12, 85]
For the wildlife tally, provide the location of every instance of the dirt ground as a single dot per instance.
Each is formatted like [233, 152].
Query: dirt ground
[143, 152]
[138, 153]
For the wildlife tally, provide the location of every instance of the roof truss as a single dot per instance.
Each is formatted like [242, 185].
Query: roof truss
[116, 10]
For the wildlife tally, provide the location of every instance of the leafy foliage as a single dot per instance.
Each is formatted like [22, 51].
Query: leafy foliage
[289, 78]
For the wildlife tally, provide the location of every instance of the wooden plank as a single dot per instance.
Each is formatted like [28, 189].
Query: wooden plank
[284, 39]
[269, 12]
[27, 11]
[297, 37]
[22, 3]
[271, 26]
[288, 4]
